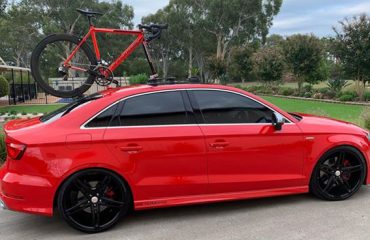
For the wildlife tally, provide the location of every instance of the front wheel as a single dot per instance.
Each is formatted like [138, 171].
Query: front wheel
[93, 200]
[339, 174]
[56, 78]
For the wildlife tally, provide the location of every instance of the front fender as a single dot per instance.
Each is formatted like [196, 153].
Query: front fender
[317, 146]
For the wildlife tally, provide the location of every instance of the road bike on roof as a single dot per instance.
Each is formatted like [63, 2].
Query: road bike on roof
[64, 58]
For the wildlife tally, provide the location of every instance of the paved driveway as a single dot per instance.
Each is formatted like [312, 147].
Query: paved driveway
[292, 217]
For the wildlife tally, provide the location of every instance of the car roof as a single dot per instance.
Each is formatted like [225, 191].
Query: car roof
[134, 89]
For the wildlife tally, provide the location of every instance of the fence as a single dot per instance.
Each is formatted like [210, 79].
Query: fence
[24, 90]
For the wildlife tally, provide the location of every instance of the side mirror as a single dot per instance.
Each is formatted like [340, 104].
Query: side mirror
[277, 121]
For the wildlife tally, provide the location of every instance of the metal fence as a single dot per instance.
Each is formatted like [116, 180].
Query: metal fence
[24, 90]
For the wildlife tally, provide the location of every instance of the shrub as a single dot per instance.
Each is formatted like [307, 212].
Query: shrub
[138, 79]
[323, 91]
[346, 98]
[307, 94]
[24, 113]
[367, 96]
[254, 88]
[4, 86]
[337, 85]
[286, 91]
[350, 96]
[307, 88]
[13, 112]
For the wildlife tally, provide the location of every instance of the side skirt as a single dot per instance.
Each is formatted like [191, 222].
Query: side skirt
[219, 197]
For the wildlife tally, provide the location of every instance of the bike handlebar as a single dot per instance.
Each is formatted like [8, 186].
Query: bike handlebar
[154, 29]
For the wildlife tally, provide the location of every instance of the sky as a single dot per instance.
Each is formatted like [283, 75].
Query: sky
[296, 16]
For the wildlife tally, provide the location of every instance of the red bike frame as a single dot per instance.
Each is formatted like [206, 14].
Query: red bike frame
[140, 40]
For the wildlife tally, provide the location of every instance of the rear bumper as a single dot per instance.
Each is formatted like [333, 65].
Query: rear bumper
[25, 193]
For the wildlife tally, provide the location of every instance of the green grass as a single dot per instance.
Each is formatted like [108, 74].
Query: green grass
[351, 113]
[31, 108]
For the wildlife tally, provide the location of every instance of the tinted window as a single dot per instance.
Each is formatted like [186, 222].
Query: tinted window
[166, 108]
[104, 118]
[226, 107]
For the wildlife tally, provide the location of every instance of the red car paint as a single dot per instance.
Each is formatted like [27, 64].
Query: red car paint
[170, 165]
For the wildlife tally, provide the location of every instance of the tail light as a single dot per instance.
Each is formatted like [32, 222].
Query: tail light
[15, 150]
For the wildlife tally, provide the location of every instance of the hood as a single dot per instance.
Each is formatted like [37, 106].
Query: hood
[319, 124]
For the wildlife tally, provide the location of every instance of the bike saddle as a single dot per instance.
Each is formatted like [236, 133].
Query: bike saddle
[88, 13]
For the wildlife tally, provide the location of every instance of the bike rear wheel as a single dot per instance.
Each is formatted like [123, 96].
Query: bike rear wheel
[53, 76]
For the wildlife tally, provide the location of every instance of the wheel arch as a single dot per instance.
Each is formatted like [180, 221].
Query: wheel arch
[71, 173]
[349, 145]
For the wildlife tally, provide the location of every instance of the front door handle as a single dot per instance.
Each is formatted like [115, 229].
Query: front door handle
[131, 148]
[219, 144]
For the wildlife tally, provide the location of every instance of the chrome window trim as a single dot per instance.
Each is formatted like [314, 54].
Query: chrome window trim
[180, 125]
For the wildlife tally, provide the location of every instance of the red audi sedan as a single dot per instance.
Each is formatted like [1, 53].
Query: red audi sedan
[159, 146]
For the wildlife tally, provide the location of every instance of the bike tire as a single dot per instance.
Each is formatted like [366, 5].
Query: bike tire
[35, 66]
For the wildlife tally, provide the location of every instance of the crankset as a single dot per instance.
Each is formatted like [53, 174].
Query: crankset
[104, 76]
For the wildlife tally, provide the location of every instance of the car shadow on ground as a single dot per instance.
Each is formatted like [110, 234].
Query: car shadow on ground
[136, 220]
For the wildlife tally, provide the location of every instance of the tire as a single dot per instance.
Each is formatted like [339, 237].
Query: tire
[93, 200]
[35, 65]
[338, 174]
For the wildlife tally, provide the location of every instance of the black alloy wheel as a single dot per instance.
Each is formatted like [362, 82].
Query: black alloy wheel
[93, 200]
[339, 174]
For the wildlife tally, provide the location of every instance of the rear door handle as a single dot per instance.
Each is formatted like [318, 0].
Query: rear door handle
[131, 148]
[219, 144]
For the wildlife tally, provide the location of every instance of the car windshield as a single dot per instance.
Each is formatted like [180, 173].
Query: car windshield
[69, 107]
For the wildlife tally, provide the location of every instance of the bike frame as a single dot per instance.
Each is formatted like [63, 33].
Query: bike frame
[140, 40]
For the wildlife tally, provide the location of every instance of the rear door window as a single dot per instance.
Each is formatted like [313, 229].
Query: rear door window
[164, 108]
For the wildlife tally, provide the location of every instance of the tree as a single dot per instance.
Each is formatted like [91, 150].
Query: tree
[235, 21]
[268, 64]
[275, 40]
[305, 58]
[19, 34]
[241, 64]
[352, 48]
[3, 4]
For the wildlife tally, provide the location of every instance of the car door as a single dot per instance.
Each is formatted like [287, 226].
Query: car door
[244, 151]
[156, 134]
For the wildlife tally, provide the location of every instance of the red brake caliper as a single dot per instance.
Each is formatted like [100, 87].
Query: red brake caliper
[109, 193]
[346, 175]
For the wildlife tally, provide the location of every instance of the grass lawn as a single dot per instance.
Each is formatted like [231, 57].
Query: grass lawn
[350, 113]
[31, 108]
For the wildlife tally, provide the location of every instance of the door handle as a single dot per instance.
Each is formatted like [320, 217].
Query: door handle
[131, 148]
[219, 144]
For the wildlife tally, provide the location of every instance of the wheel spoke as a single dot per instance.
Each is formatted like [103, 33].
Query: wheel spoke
[111, 203]
[340, 159]
[103, 184]
[345, 185]
[326, 169]
[81, 205]
[329, 184]
[83, 187]
[95, 214]
[352, 169]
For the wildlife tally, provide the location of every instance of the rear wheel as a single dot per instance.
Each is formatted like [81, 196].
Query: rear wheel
[48, 70]
[339, 174]
[93, 200]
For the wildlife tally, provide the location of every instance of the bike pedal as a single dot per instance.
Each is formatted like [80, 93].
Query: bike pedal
[116, 82]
